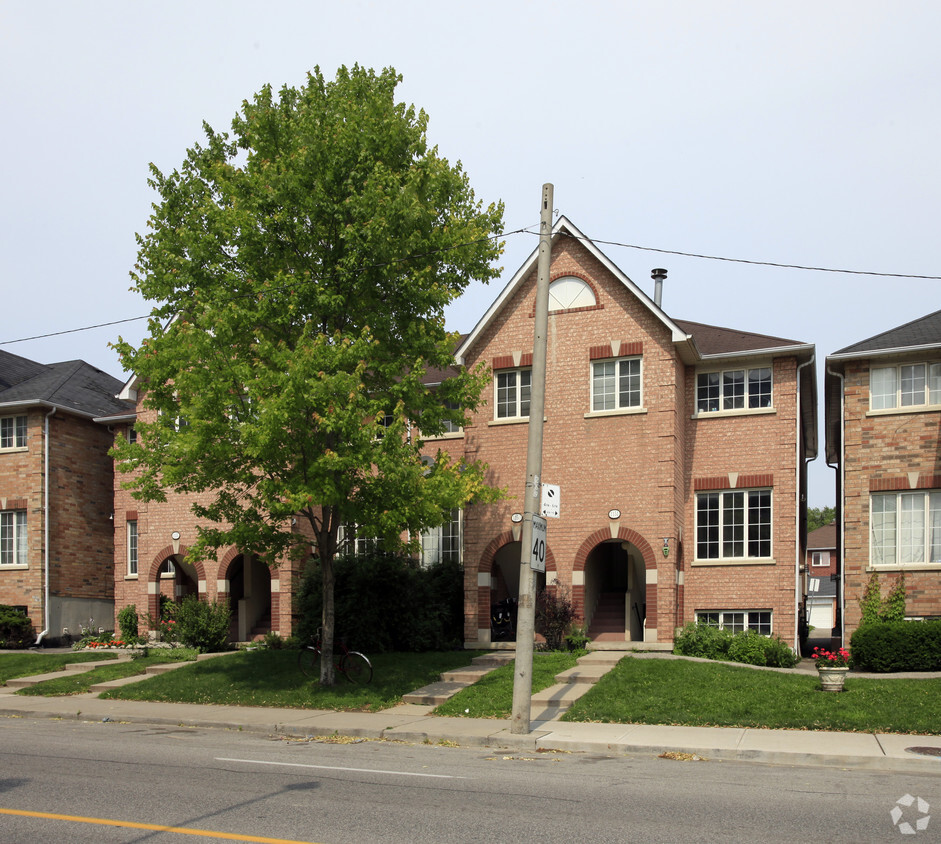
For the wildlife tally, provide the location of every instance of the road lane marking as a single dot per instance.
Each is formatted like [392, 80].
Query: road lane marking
[338, 768]
[179, 830]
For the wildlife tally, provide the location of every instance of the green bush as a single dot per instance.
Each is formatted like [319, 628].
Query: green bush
[203, 625]
[16, 629]
[873, 607]
[897, 646]
[709, 642]
[554, 615]
[387, 602]
[128, 622]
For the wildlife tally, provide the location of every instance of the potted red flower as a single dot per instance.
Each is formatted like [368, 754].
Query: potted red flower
[832, 668]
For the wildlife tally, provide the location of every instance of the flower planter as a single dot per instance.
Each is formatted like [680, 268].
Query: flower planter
[832, 678]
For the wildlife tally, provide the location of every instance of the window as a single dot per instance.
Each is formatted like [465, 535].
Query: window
[570, 292]
[131, 434]
[820, 558]
[909, 385]
[132, 548]
[733, 389]
[13, 538]
[615, 384]
[350, 542]
[513, 391]
[443, 543]
[733, 525]
[13, 432]
[905, 528]
[737, 620]
[167, 569]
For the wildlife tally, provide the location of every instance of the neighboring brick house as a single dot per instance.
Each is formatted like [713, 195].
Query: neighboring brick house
[150, 543]
[883, 434]
[679, 448]
[821, 574]
[56, 493]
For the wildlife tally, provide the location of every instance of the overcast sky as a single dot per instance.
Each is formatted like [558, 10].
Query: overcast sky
[800, 133]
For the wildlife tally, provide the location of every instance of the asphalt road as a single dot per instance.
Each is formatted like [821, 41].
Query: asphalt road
[112, 782]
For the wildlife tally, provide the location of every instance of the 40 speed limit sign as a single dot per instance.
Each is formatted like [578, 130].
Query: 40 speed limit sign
[537, 559]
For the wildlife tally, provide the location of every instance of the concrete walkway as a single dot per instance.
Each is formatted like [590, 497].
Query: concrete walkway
[413, 723]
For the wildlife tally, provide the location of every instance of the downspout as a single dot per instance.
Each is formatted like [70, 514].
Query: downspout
[45, 518]
[841, 555]
[797, 509]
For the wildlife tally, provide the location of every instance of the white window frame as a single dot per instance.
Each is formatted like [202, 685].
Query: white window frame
[739, 390]
[444, 542]
[903, 387]
[820, 558]
[349, 541]
[506, 407]
[13, 432]
[738, 620]
[726, 534]
[14, 539]
[905, 529]
[614, 399]
[133, 545]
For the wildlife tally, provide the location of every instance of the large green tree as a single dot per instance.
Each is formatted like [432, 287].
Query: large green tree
[300, 266]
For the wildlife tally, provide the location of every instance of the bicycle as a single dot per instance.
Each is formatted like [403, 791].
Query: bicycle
[353, 665]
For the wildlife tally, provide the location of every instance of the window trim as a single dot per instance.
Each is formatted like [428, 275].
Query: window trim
[20, 425]
[132, 543]
[518, 387]
[748, 624]
[745, 559]
[895, 565]
[898, 407]
[426, 535]
[824, 555]
[721, 398]
[618, 408]
[18, 539]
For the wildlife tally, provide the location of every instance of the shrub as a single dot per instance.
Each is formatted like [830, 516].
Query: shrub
[203, 625]
[874, 608]
[16, 629]
[897, 646]
[577, 638]
[702, 640]
[554, 615]
[709, 642]
[385, 601]
[128, 621]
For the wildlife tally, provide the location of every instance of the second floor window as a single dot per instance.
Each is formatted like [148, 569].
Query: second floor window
[132, 548]
[443, 543]
[13, 538]
[909, 385]
[615, 384]
[733, 389]
[821, 558]
[513, 388]
[906, 528]
[733, 525]
[13, 432]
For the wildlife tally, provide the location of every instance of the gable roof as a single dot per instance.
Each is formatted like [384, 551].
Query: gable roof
[822, 537]
[74, 386]
[714, 341]
[921, 333]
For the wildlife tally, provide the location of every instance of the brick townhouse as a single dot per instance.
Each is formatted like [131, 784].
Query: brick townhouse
[679, 450]
[883, 435]
[56, 493]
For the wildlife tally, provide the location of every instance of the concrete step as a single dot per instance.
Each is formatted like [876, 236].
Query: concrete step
[495, 658]
[582, 674]
[467, 675]
[434, 693]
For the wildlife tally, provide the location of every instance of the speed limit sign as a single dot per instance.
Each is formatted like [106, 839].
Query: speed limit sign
[537, 559]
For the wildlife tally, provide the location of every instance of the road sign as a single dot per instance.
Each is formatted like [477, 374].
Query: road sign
[537, 559]
[551, 500]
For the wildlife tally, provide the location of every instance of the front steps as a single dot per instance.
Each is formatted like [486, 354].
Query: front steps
[452, 682]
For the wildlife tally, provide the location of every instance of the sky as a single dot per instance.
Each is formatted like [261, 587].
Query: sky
[799, 133]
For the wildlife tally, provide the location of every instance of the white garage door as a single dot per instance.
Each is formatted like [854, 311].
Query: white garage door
[820, 612]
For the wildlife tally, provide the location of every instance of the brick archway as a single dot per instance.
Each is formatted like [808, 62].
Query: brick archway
[274, 595]
[153, 576]
[486, 565]
[650, 563]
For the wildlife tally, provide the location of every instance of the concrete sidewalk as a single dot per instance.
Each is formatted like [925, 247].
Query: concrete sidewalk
[414, 723]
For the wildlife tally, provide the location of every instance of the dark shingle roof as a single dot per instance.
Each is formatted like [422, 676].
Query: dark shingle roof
[714, 340]
[73, 385]
[822, 537]
[924, 331]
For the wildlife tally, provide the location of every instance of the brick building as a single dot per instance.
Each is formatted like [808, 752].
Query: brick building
[821, 574]
[883, 434]
[679, 448]
[56, 493]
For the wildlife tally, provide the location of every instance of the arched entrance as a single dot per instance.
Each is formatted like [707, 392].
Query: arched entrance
[249, 583]
[172, 578]
[498, 595]
[615, 592]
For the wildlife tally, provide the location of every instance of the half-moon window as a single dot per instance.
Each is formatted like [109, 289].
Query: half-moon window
[570, 292]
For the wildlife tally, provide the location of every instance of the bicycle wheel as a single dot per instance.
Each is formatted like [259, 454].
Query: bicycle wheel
[308, 660]
[356, 668]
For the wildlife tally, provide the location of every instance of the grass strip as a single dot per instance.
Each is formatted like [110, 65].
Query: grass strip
[653, 691]
[492, 695]
[79, 682]
[272, 678]
[30, 664]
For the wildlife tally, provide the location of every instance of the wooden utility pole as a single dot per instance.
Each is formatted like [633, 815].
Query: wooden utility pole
[526, 612]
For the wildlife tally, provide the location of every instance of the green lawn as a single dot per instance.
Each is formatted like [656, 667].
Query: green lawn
[272, 678]
[654, 691]
[492, 695]
[28, 664]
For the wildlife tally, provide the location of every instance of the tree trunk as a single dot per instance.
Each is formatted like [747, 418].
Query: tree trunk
[327, 674]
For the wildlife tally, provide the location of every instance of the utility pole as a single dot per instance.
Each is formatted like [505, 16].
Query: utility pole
[526, 612]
